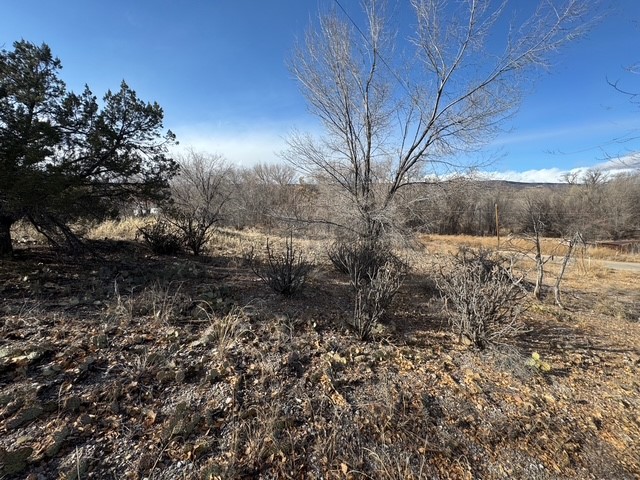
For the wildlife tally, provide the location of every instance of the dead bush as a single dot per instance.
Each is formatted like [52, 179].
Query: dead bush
[161, 238]
[485, 298]
[195, 231]
[373, 298]
[284, 272]
[362, 259]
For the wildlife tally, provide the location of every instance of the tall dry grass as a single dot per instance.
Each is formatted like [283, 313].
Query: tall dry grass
[122, 229]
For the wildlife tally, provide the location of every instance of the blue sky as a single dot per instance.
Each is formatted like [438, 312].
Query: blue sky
[218, 68]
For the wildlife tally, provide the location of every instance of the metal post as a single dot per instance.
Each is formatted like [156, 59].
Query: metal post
[497, 226]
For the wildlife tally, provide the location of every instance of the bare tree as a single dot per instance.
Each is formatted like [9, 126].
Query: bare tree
[199, 193]
[571, 244]
[535, 208]
[389, 123]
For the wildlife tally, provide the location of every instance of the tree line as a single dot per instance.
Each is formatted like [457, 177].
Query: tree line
[274, 196]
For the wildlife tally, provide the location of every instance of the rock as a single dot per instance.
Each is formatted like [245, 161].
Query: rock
[51, 370]
[27, 415]
[58, 440]
[13, 406]
[100, 341]
[72, 404]
[77, 472]
[165, 376]
[14, 462]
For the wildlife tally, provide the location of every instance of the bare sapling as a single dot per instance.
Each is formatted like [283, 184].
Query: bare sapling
[571, 243]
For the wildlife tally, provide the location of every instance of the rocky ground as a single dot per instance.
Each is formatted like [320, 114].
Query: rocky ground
[121, 364]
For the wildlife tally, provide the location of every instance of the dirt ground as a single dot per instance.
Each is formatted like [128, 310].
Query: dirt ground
[122, 364]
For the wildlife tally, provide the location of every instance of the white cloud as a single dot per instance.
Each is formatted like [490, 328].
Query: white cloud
[625, 163]
[615, 166]
[598, 127]
[543, 175]
[241, 148]
[243, 145]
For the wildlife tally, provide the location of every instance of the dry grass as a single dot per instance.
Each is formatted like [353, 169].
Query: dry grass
[23, 232]
[124, 229]
[549, 246]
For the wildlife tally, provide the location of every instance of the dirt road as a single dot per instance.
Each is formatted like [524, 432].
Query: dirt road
[625, 266]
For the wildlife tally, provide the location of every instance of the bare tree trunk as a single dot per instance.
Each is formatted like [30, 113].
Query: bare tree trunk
[565, 261]
[6, 246]
[537, 291]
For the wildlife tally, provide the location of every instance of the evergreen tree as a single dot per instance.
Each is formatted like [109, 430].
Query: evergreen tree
[63, 156]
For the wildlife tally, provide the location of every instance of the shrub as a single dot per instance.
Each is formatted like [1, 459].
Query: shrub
[285, 272]
[375, 273]
[362, 259]
[195, 231]
[373, 298]
[160, 238]
[485, 297]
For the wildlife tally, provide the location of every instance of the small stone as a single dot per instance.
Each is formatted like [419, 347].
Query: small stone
[72, 404]
[58, 440]
[84, 366]
[50, 370]
[85, 419]
[164, 376]
[27, 415]
[14, 462]
[101, 341]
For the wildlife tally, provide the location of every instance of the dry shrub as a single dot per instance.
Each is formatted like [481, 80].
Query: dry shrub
[362, 259]
[485, 298]
[615, 307]
[195, 232]
[161, 238]
[373, 298]
[160, 303]
[284, 272]
[375, 274]
[24, 232]
[223, 332]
